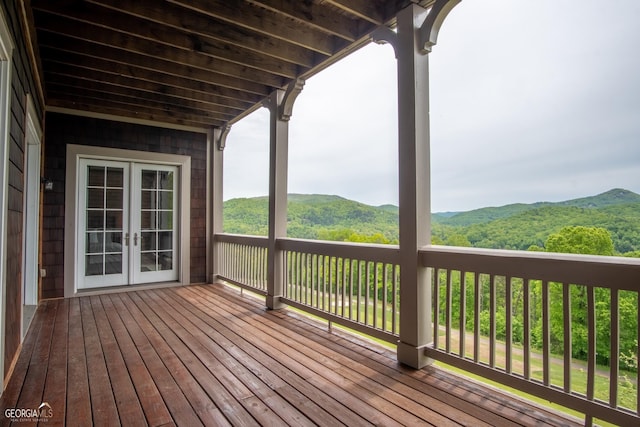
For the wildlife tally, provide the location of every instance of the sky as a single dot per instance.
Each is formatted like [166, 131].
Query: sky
[530, 101]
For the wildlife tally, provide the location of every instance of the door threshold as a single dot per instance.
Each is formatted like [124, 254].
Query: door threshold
[125, 288]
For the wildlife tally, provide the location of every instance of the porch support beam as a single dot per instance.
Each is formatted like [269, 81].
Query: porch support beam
[280, 105]
[416, 32]
[217, 141]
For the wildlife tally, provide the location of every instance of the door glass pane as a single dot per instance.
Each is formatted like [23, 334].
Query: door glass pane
[148, 200]
[149, 179]
[148, 242]
[157, 220]
[95, 198]
[115, 178]
[165, 200]
[95, 220]
[148, 220]
[94, 265]
[114, 198]
[148, 261]
[165, 180]
[95, 176]
[113, 264]
[165, 240]
[113, 242]
[104, 220]
[114, 220]
[165, 220]
[94, 242]
[165, 260]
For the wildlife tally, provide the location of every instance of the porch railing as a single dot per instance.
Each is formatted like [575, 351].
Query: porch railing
[531, 321]
[242, 261]
[351, 284]
[524, 319]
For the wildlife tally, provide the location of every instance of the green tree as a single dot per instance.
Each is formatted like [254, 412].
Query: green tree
[581, 240]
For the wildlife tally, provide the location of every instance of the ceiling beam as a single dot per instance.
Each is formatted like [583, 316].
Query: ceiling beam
[157, 75]
[315, 15]
[120, 111]
[61, 45]
[192, 22]
[266, 22]
[84, 31]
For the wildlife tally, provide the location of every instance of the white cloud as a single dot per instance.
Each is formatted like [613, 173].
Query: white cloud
[529, 101]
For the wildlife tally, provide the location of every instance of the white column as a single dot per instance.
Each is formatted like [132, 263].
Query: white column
[417, 32]
[415, 191]
[278, 167]
[218, 136]
[280, 105]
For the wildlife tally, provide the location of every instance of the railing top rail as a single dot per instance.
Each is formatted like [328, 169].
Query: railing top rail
[243, 239]
[369, 252]
[591, 270]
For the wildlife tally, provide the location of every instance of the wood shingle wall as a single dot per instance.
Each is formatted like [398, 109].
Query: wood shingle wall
[64, 129]
[23, 83]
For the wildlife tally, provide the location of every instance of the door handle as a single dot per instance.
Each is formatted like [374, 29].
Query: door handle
[126, 239]
[135, 239]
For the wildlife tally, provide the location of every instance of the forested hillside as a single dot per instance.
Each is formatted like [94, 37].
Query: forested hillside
[516, 226]
[316, 216]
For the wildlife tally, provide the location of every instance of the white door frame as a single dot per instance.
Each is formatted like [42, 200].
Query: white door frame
[6, 51]
[76, 152]
[137, 275]
[99, 281]
[31, 235]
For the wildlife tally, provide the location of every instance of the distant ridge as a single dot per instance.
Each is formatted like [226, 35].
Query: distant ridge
[616, 196]
[515, 226]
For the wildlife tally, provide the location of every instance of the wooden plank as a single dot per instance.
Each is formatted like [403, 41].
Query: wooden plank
[126, 399]
[263, 378]
[139, 106]
[14, 385]
[153, 405]
[57, 44]
[370, 407]
[196, 23]
[343, 365]
[174, 399]
[462, 395]
[295, 389]
[265, 22]
[235, 364]
[103, 404]
[78, 398]
[204, 407]
[226, 402]
[114, 26]
[31, 391]
[74, 29]
[215, 362]
[57, 372]
[316, 15]
[123, 112]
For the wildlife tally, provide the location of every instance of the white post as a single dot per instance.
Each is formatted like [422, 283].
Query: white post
[278, 166]
[417, 31]
[218, 136]
[415, 191]
[280, 105]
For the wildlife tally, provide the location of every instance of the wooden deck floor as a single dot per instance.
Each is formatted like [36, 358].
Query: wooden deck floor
[206, 355]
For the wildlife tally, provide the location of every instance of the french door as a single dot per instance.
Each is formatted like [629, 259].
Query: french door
[127, 228]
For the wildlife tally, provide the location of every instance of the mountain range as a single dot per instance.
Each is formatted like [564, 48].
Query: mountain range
[513, 226]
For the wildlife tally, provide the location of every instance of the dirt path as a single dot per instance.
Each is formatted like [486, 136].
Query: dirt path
[517, 360]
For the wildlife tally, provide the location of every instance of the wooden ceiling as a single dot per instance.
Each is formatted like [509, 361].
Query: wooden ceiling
[191, 63]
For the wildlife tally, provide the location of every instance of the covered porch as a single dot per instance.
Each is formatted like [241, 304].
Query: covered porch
[207, 355]
[132, 90]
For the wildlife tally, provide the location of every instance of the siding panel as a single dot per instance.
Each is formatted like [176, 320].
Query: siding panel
[65, 129]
